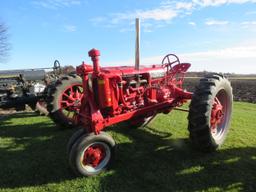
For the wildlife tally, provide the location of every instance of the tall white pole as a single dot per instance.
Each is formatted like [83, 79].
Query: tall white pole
[137, 46]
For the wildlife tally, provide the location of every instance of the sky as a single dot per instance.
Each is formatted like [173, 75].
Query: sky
[212, 35]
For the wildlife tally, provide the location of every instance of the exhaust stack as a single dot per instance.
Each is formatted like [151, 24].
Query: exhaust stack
[137, 46]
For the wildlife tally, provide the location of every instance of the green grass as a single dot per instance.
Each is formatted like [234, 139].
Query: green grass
[157, 158]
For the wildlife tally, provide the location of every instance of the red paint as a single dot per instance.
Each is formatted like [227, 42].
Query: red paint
[116, 94]
[94, 155]
[216, 114]
[94, 54]
[70, 99]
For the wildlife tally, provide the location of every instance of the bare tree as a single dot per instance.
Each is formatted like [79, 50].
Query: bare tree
[4, 44]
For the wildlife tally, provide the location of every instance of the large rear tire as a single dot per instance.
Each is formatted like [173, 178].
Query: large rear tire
[210, 112]
[64, 100]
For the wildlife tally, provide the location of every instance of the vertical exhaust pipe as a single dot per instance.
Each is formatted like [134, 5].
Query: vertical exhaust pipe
[137, 46]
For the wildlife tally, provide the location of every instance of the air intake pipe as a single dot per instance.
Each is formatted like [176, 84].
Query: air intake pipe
[137, 45]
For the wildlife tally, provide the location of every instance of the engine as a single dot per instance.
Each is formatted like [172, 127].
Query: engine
[121, 90]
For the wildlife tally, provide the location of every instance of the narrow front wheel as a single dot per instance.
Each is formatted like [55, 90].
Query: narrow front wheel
[92, 154]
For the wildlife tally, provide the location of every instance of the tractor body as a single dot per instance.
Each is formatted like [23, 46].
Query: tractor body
[136, 95]
[116, 94]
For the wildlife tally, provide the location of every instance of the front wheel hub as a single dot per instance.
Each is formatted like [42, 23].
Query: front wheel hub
[94, 155]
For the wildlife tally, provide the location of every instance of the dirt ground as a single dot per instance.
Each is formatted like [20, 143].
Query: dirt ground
[243, 89]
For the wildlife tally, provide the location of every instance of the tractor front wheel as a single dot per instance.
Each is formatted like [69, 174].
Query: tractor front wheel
[76, 135]
[92, 154]
[210, 112]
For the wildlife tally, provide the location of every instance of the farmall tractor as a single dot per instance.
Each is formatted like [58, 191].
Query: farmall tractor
[115, 94]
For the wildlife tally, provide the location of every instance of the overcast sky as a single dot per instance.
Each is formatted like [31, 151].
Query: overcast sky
[213, 35]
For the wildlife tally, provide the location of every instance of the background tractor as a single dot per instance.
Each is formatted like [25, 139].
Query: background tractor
[46, 90]
[19, 88]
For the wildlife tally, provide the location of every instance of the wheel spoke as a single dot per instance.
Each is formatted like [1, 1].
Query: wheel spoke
[168, 60]
[80, 95]
[73, 90]
[77, 94]
[70, 97]
[66, 95]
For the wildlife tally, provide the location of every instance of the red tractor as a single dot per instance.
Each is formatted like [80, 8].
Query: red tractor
[117, 94]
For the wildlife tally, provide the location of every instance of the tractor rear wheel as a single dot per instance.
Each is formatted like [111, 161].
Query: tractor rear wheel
[64, 100]
[92, 154]
[210, 112]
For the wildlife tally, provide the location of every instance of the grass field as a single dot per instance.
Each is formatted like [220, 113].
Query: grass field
[157, 158]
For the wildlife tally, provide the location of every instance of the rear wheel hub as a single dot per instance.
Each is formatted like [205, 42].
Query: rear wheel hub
[216, 115]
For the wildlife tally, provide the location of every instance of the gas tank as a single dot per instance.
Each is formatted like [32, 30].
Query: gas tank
[155, 71]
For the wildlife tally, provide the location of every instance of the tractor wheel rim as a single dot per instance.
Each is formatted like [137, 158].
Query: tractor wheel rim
[219, 115]
[70, 101]
[95, 157]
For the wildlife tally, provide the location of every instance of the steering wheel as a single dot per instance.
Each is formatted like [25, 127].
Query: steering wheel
[169, 60]
[56, 66]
